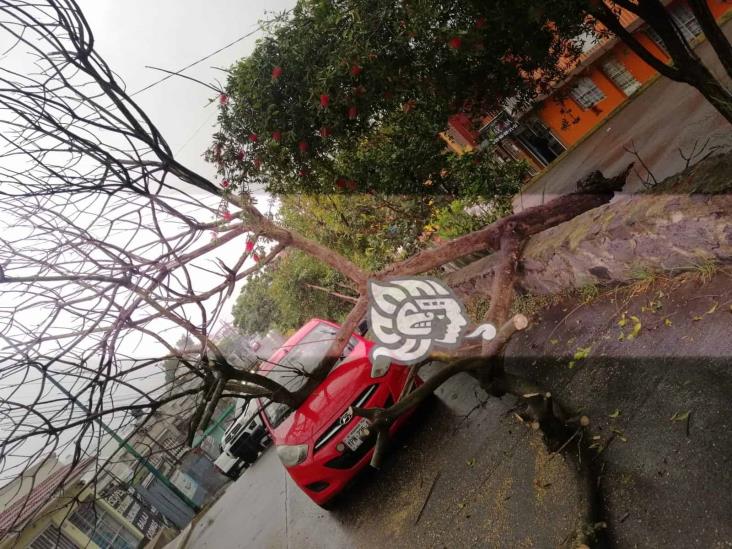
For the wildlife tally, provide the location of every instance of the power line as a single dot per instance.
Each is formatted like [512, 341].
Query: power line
[201, 60]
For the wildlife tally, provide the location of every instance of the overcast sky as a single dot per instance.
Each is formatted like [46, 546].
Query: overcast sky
[131, 34]
[171, 34]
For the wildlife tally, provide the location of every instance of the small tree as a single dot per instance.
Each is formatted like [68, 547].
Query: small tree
[685, 66]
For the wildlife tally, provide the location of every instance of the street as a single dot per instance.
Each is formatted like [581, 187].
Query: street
[467, 476]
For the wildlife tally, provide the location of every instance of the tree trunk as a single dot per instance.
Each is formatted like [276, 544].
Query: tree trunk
[686, 66]
[712, 89]
[715, 35]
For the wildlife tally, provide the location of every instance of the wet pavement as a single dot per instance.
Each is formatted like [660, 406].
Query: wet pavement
[665, 119]
[468, 473]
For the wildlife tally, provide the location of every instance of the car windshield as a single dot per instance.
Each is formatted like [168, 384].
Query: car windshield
[301, 359]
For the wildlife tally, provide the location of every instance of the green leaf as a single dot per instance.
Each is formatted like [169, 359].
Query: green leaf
[680, 416]
[582, 353]
[615, 414]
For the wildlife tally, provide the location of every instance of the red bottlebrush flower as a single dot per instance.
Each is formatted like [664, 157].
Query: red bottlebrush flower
[257, 163]
[303, 146]
[341, 183]
[250, 245]
[455, 42]
[256, 258]
[276, 72]
[481, 23]
[351, 185]
[352, 112]
[356, 70]
[241, 154]
[277, 136]
[223, 99]
[408, 106]
[324, 101]
[253, 137]
[227, 216]
[325, 131]
[225, 183]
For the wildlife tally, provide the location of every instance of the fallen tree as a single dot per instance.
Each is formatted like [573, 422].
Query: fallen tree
[103, 231]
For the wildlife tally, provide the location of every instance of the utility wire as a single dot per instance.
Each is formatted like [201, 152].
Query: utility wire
[201, 60]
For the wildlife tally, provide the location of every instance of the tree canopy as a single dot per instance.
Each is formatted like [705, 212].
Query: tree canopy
[353, 94]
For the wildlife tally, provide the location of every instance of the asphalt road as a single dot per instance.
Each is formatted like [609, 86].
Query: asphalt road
[666, 482]
[665, 119]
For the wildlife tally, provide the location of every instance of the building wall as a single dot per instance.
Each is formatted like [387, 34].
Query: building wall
[57, 513]
[570, 122]
[635, 65]
[567, 120]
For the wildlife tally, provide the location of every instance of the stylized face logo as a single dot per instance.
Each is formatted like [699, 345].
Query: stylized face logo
[407, 316]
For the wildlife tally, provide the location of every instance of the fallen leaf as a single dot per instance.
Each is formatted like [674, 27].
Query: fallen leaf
[667, 321]
[680, 416]
[696, 318]
[714, 308]
[615, 414]
[619, 434]
[582, 352]
[470, 462]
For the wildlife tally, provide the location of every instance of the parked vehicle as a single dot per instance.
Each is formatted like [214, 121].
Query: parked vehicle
[320, 443]
[230, 465]
[242, 442]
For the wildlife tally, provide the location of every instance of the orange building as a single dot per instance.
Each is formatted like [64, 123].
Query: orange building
[606, 76]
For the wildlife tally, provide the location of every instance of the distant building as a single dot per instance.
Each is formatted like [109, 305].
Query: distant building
[60, 511]
[607, 75]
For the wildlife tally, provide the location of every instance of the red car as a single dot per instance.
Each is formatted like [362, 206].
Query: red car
[322, 446]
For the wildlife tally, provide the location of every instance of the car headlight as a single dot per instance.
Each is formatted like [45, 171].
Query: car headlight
[292, 455]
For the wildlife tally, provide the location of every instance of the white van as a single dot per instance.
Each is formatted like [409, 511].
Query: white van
[242, 442]
[229, 465]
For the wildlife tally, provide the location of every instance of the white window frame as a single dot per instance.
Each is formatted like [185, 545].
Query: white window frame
[586, 93]
[52, 538]
[684, 18]
[620, 76]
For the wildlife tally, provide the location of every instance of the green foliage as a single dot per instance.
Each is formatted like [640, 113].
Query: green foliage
[255, 311]
[357, 91]
[282, 296]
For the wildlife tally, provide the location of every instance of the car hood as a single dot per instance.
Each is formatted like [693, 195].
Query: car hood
[327, 402]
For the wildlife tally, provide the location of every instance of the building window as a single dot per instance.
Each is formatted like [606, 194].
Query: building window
[620, 76]
[687, 24]
[102, 528]
[586, 93]
[52, 538]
